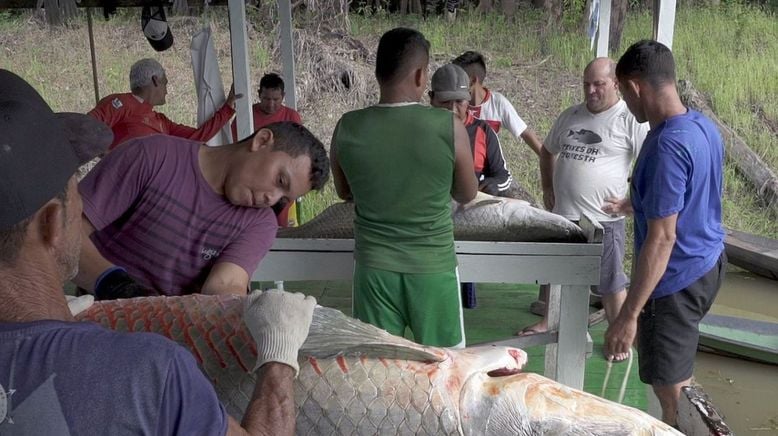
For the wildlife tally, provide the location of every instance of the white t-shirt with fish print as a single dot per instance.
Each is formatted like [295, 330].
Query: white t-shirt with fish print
[594, 158]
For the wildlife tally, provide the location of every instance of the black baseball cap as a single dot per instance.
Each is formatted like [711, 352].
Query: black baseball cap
[40, 150]
[155, 27]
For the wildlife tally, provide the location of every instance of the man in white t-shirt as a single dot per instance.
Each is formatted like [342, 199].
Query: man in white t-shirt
[491, 106]
[585, 163]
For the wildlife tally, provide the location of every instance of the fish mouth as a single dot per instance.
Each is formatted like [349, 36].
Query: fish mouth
[504, 372]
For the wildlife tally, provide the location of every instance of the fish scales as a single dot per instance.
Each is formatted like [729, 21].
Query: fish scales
[486, 218]
[356, 379]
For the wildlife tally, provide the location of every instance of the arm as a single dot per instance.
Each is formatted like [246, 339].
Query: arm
[210, 128]
[271, 411]
[547, 162]
[226, 278]
[497, 178]
[465, 184]
[91, 263]
[651, 265]
[99, 276]
[529, 136]
[279, 323]
[618, 206]
[338, 176]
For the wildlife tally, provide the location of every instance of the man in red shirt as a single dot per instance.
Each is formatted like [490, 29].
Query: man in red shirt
[271, 109]
[131, 115]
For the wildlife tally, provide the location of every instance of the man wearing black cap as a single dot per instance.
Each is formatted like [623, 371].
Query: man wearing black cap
[58, 376]
[132, 115]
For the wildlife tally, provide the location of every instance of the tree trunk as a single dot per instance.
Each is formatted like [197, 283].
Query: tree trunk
[485, 6]
[748, 163]
[618, 17]
[508, 8]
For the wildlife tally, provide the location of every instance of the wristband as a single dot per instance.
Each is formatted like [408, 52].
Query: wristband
[106, 273]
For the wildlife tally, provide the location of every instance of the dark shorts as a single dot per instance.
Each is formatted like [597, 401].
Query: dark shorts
[668, 329]
[612, 276]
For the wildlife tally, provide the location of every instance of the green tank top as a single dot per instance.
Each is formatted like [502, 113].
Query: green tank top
[399, 163]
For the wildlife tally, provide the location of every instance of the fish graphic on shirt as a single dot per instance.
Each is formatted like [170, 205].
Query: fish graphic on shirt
[585, 136]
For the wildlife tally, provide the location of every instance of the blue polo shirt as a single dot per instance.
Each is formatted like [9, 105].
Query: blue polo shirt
[679, 171]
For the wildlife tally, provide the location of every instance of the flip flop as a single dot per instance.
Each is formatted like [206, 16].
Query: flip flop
[529, 331]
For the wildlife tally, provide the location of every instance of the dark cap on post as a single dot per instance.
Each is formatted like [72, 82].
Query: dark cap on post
[39, 149]
[155, 27]
[450, 82]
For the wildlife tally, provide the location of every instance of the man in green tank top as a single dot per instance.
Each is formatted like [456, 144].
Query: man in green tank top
[401, 162]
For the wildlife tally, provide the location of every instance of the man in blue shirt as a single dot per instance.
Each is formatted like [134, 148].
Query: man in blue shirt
[679, 242]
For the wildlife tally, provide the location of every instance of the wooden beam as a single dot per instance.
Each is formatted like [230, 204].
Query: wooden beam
[287, 52]
[241, 77]
[664, 21]
[31, 4]
[604, 29]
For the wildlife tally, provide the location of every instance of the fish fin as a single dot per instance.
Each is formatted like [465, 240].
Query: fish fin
[333, 333]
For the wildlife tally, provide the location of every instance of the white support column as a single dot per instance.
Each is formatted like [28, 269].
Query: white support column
[287, 52]
[604, 28]
[240, 67]
[571, 344]
[664, 21]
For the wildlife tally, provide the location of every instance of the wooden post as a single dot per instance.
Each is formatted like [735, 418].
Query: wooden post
[664, 21]
[603, 28]
[92, 52]
[240, 67]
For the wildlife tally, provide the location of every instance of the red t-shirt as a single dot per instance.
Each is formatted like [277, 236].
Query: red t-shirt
[131, 118]
[262, 119]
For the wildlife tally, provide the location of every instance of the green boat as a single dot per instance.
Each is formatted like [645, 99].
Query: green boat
[740, 337]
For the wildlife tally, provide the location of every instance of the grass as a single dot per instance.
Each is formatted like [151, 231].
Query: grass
[729, 52]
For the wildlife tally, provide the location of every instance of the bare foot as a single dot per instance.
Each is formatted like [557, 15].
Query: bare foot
[540, 327]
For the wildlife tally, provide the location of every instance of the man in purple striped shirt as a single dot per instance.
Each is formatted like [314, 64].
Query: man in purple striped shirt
[172, 216]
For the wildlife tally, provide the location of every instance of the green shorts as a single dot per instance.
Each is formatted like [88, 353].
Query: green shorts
[430, 304]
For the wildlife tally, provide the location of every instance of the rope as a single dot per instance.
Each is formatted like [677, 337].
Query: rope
[623, 388]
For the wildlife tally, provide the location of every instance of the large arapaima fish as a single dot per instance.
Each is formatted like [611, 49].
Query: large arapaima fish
[486, 218]
[356, 379]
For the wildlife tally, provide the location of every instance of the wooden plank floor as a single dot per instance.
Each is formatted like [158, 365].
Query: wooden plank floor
[502, 310]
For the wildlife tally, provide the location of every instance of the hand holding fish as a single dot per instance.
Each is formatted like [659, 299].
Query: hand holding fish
[279, 323]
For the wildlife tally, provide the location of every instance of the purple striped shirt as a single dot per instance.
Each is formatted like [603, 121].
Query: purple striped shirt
[155, 214]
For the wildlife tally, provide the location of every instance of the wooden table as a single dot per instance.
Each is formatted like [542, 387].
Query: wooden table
[570, 268]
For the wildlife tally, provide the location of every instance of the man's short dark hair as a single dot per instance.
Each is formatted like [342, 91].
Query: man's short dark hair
[400, 50]
[271, 81]
[295, 140]
[647, 60]
[472, 62]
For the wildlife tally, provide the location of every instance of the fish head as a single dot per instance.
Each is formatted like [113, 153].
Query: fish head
[529, 404]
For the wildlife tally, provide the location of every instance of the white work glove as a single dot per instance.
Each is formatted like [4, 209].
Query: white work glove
[279, 323]
[79, 304]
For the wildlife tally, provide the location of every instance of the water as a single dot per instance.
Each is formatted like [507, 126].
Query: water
[746, 393]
